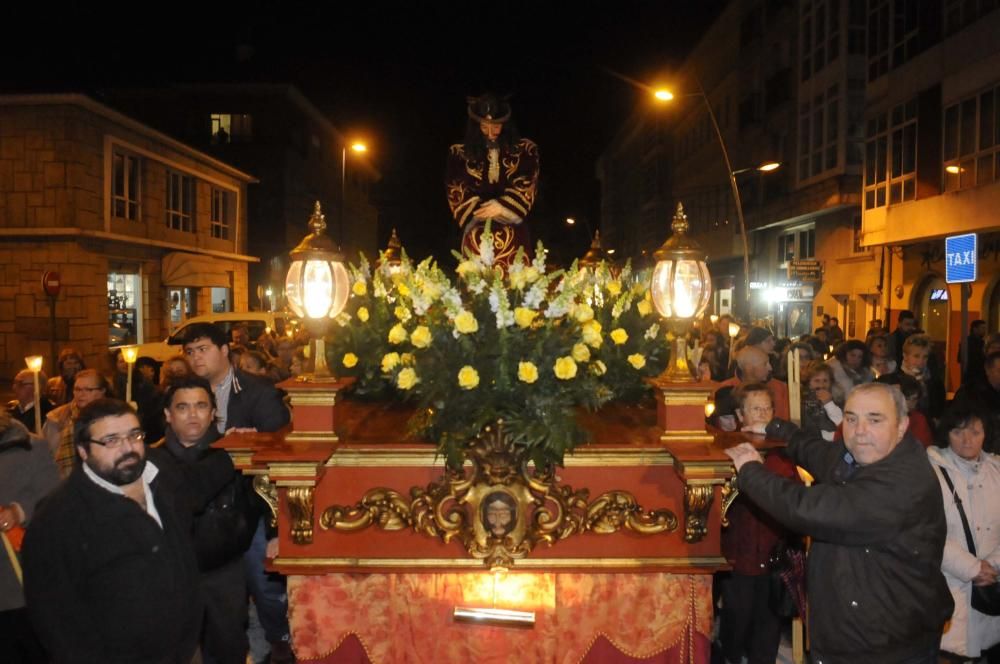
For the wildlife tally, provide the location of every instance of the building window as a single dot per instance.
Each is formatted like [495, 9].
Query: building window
[960, 13]
[180, 202]
[126, 173]
[971, 145]
[221, 213]
[878, 38]
[891, 157]
[231, 128]
[796, 244]
[856, 27]
[819, 129]
[893, 28]
[820, 30]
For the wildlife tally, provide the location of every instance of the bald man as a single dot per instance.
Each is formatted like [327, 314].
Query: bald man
[754, 366]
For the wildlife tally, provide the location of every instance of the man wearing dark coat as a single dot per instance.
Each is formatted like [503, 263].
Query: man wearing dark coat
[492, 175]
[109, 571]
[877, 521]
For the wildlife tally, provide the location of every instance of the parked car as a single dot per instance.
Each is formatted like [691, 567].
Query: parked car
[256, 322]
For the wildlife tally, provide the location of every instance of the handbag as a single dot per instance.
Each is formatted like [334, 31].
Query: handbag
[985, 599]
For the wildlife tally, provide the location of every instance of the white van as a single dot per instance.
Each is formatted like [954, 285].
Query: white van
[256, 322]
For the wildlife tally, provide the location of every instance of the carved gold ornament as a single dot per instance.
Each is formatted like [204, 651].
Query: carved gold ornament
[300, 507]
[697, 504]
[499, 510]
[268, 491]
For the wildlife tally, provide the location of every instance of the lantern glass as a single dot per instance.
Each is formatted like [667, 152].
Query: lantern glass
[292, 293]
[317, 289]
[681, 288]
[130, 353]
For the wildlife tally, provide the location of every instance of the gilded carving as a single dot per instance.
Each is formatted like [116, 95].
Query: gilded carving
[730, 491]
[499, 510]
[300, 507]
[268, 491]
[697, 502]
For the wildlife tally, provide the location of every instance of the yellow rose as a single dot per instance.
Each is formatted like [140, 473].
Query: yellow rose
[615, 287]
[531, 274]
[406, 379]
[644, 307]
[397, 334]
[402, 313]
[637, 360]
[524, 317]
[592, 334]
[359, 288]
[421, 337]
[389, 362]
[402, 288]
[407, 359]
[363, 314]
[466, 323]
[619, 336]
[584, 313]
[581, 353]
[599, 368]
[527, 372]
[517, 280]
[468, 378]
[565, 368]
[350, 359]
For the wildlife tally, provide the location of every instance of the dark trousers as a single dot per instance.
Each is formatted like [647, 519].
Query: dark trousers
[224, 635]
[747, 626]
[18, 643]
[268, 590]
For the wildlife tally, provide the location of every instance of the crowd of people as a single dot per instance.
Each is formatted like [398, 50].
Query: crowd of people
[143, 524]
[898, 494]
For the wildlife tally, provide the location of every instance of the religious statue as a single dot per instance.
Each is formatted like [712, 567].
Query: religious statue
[493, 176]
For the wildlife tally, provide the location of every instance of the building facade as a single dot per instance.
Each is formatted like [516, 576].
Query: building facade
[296, 154]
[142, 229]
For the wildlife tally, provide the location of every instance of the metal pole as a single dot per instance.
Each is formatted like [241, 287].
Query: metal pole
[343, 190]
[52, 331]
[736, 190]
[964, 353]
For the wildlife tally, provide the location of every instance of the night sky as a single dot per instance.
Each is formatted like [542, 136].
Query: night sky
[398, 76]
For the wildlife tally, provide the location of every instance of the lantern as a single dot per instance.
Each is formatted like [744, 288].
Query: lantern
[317, 284]
[681, 287]
[392, 257]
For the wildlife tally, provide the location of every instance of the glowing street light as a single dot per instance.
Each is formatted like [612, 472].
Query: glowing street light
[664, 95]
[357, 147]
[570, 221]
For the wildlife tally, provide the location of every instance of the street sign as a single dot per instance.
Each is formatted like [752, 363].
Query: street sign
[804, 270]
[961, 258]
[51, 283]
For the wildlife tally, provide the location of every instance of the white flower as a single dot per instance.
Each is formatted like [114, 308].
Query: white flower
[653, 331]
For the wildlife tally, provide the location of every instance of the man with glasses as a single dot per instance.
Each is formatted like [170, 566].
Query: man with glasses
[110, 574]
[22, 407]
[88, 386]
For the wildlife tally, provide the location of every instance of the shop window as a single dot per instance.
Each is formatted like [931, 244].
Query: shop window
[183, 304]
[933, 309]
[124, 308]
[126, 171]
[222, 300]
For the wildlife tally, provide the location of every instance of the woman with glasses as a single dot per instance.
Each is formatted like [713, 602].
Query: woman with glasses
[88, 387]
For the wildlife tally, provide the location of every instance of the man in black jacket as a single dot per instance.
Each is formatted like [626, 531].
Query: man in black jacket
[246, 403]
[223, 530]
[109, 571]
[877, 521]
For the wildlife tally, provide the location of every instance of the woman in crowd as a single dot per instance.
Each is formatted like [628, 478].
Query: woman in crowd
[820, 414]
[970, 485]
[60, 388]
[882, 360]
[851, 365]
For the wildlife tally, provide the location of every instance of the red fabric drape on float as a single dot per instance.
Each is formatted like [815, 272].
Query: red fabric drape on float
[396, 618]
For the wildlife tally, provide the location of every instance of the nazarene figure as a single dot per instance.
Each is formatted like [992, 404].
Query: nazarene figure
[493, 175]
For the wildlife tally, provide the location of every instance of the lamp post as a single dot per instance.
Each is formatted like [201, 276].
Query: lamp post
[34, 364]
[129, 354]
[359, 147]
[681, 287]
[317, 286]
[666, 96]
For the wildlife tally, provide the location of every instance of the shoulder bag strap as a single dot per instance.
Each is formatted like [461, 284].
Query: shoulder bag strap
[961, 511]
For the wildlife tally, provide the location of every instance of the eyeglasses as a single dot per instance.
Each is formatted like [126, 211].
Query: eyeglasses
[114, 442]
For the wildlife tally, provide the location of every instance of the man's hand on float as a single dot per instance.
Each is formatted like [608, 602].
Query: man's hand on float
[743, 453]
[489, 210]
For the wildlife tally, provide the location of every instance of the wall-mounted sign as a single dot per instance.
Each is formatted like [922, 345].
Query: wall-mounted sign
[805, 270]
[960, 258]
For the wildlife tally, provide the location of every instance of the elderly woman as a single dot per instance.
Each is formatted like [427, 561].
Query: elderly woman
[27, 473]
[970, 484]
[851, 365]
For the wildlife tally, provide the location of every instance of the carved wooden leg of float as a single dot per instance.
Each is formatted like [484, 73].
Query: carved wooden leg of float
[300, 506]
[697, 504]
[268, 491]
[729, 494]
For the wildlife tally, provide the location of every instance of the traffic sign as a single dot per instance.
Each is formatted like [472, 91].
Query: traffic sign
[961, 258]
[51, 283]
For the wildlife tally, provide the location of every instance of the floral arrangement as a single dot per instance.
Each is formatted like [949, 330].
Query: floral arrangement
[526, 345]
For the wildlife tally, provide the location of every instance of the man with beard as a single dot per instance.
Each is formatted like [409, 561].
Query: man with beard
[109, 571]
[492, 175]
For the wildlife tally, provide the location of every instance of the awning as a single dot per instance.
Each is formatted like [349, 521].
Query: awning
[191, 270]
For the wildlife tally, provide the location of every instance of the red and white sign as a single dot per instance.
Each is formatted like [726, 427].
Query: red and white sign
[51, 283]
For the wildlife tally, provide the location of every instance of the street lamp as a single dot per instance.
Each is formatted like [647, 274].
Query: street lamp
[357, 147]
[317, 285]
[681, 287]
[665, 96]
[34, 364]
